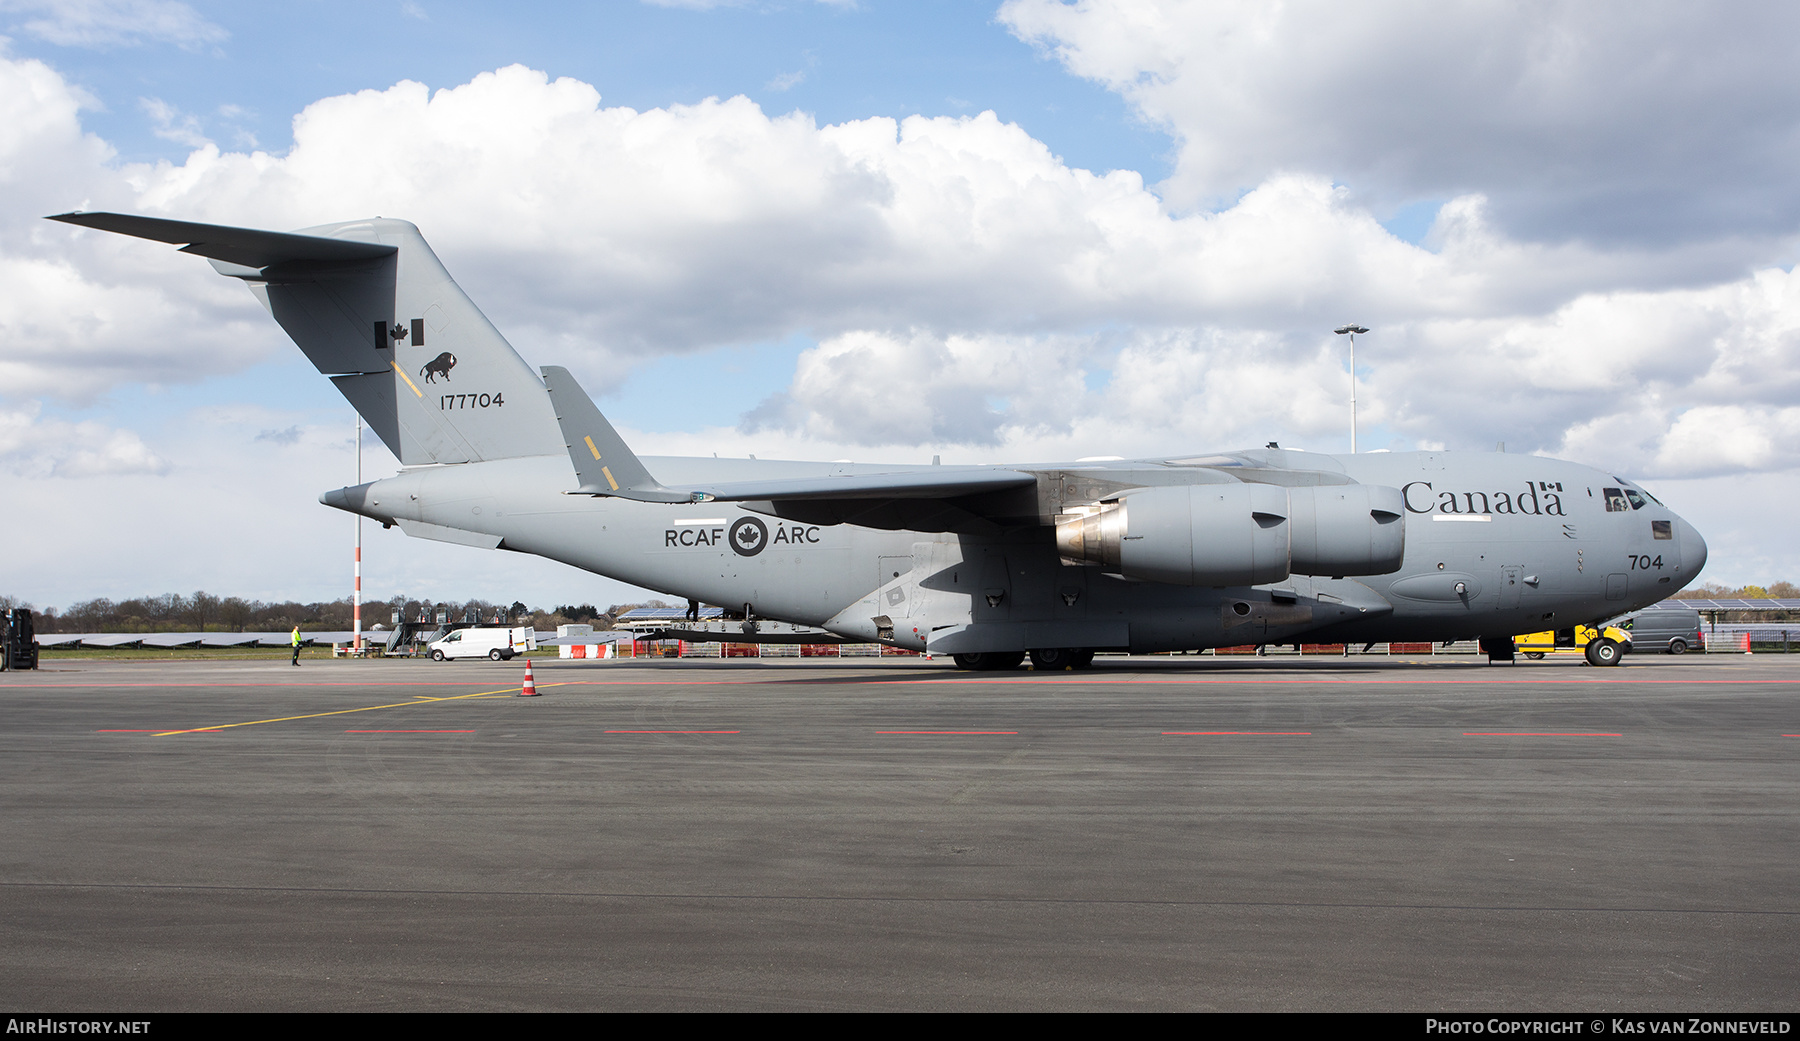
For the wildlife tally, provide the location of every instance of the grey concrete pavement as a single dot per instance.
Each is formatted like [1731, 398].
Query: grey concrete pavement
[891, 834]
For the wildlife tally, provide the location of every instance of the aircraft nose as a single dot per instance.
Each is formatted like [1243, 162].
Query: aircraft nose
[1693, 548]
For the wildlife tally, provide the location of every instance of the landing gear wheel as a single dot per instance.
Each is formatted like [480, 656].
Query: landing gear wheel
[1603, 652]
[1535, 655]
[495, 655]
[1677, 646]
[1056, 659]
[1081, 659]
[437, 655]
[991, 661]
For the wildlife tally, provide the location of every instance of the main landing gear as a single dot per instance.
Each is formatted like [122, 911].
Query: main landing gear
[1056, 659]
[991, 661]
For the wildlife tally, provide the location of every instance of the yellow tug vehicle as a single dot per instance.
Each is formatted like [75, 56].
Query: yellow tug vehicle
[1601, 645]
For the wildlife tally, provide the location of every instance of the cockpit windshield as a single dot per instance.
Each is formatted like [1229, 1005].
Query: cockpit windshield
[1636, 495]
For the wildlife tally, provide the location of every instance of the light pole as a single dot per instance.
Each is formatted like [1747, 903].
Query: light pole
[356, 586]
[1351, 331]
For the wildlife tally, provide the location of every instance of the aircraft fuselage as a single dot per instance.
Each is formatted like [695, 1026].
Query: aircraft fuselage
[1494, 545]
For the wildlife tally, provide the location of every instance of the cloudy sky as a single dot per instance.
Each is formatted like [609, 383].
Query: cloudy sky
[884, 231]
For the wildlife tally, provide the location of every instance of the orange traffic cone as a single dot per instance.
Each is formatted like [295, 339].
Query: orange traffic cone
[529, 690]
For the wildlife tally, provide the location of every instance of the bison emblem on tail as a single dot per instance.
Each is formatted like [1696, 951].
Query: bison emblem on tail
[439, 366]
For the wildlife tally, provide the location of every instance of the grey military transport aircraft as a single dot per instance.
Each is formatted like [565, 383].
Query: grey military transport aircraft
[987, 564]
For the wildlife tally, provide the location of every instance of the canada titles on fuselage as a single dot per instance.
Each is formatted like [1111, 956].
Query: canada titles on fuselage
[1513, 503]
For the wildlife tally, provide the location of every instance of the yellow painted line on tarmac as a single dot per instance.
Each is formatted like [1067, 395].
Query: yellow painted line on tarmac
[345, 711]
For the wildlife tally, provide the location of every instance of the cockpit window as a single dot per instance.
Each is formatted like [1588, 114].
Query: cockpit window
[1615, 501]
[1662, 530]
[1636, 494]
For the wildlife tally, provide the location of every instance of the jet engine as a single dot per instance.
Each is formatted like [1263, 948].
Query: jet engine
[1238, 534]
[1190, 535]
[1346, 529]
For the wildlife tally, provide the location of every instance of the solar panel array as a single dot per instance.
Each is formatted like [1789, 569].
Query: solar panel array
[1771, 604]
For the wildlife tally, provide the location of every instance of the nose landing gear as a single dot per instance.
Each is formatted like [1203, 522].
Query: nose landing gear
[1603, 652]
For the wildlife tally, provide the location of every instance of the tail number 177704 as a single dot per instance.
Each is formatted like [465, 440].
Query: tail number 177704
[448, 402]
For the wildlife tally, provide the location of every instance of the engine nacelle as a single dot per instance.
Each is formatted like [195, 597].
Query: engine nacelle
[1346, 529]
[1191, 535]
[1239, 534]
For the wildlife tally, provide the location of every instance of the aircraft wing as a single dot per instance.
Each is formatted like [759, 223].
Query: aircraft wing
[937, 498]
[904, 484]
[978, 500]
[969, 500]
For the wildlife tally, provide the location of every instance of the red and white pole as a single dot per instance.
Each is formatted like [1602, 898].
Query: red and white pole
[356, 568]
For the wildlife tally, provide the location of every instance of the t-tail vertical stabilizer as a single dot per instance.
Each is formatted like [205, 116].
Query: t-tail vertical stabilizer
[373, 308]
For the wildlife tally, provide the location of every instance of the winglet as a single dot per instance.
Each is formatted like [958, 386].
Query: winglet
[602, 463]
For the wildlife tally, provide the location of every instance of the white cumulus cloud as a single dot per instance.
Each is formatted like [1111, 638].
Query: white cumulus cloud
[105, 24]
[963, 286]
[34, 446]
[1616, 120]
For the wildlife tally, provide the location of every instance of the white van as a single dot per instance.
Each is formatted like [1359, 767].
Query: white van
[496, 643]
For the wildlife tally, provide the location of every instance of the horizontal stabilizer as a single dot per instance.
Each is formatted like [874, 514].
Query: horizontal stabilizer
[603, 464]
[246, 246]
